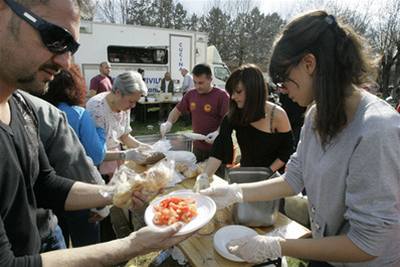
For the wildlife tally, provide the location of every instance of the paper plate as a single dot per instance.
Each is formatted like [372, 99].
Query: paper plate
[224, 235]
[205, 211]
[195, 136]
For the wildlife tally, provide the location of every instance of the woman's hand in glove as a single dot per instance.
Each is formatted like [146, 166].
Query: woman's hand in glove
[135, 155]
[256, 249]
[211, 137]
[201, 182]
[224, 195]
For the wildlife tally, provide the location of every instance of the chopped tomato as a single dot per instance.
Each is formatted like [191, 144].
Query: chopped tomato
[174, 209]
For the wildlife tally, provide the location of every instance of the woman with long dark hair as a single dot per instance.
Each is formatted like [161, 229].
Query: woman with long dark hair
[348, 158]
[258, 123]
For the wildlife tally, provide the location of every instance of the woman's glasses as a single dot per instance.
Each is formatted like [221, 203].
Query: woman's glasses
[57, 39]
[280, 81]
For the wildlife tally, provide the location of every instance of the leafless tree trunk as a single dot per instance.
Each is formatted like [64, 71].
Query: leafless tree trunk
[114, 11]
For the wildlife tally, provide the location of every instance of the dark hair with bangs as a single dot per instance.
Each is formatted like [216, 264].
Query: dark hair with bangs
[68, 86]
[256, 94]
[341, 61]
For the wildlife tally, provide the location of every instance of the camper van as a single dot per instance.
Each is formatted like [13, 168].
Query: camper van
[156, 50]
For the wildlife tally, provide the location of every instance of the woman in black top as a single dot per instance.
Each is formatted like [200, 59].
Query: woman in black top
[262, 128]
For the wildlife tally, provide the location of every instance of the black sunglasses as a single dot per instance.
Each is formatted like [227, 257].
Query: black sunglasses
[57, 39]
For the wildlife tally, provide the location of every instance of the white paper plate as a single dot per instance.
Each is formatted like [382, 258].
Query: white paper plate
[195, 136]
[228, 233]
[205, 211]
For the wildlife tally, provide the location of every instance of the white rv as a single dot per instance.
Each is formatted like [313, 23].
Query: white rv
[156, 50]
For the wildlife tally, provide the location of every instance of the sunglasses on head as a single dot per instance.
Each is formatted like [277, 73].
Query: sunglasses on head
[56, 39]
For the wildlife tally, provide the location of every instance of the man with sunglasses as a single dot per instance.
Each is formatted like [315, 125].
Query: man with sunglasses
[37, 40]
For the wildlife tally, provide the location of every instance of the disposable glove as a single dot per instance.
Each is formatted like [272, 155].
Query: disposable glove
[224, 195]
[201, 182]
[256, 249]
[135, 155]
[211, 137]
[165, 128]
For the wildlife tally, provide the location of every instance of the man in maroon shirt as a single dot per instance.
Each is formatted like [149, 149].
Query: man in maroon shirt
[206, 104]
[102, 82]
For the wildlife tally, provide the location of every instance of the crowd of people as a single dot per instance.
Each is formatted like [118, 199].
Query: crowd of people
[60, 149]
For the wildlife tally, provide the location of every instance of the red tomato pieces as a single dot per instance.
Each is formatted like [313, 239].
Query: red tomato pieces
[174, 209]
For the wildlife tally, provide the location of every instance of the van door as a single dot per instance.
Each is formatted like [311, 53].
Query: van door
[181, 56]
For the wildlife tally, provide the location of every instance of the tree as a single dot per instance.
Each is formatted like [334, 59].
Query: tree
[163, 11]
[87, 8]
[138, 12]
[114, 11]
[193, 24]
[216, 24]
[386, 39]
[179, 17]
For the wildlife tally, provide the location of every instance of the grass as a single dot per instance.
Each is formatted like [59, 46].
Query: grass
[152, 126]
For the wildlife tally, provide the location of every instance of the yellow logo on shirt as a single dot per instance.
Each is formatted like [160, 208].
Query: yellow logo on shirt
[207, 108]
[192, 106]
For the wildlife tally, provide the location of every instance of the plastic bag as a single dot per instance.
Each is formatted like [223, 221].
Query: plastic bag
[126, 181]
[162, 146]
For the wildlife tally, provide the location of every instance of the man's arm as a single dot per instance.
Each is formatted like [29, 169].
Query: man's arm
[174, 115]
[94, 86]
[116, 251]
[86, 196]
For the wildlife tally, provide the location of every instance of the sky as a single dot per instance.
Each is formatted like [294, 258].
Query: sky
[266, 6]
[283, 7]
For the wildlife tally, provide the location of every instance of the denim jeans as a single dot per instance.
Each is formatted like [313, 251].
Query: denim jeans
[54, 241]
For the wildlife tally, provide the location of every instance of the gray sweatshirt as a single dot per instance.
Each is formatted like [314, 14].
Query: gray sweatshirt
[353, 186]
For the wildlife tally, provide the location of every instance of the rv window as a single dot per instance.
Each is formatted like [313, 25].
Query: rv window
[221, 73]
[129, 54]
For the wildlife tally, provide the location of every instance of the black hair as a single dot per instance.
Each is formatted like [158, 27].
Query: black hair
[256, 91]
[201, 69]
[341, 61]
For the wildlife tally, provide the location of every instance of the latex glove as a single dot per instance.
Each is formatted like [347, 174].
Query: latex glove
[135, 155]
[165, 128]
[211, 137]
[98, 214]
[256, 249]
[202, 182]
[224, 195]
[149, 239]
[102, 212]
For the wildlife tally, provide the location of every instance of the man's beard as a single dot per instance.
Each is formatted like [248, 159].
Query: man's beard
[31, 85]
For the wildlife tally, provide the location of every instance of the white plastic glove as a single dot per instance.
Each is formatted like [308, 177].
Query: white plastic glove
[256, 249]
[135, 155]
[202, 182]
[165, 128]
[224, 195]
[211, 137]
[103, 212]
